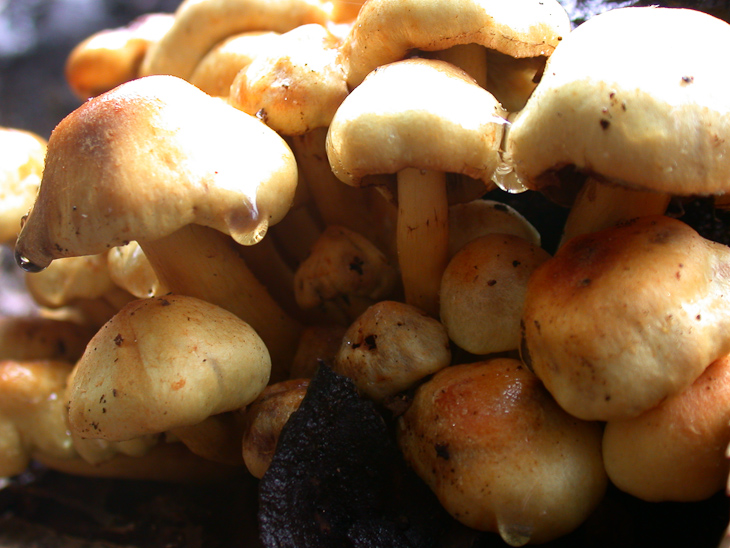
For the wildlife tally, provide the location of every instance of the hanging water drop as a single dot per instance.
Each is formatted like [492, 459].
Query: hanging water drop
[26, 264]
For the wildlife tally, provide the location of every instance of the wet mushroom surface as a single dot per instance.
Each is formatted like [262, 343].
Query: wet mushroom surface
[42, 507]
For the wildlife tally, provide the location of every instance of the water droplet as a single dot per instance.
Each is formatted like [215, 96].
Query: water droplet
[26, 264]
[506, 179]
[514, 535]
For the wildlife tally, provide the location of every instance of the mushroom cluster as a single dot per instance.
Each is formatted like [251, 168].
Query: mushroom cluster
[253, 189]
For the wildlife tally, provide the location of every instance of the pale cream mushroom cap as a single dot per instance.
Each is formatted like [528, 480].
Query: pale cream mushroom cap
[500, 454]
[22, 156]
[390, 347]
[483, 291]
[675, 451]
[620, 319]
[296, 85]
[147, 158]
[446, 124]
[387, 31]
[200, 24]
[632, 96]
[163, 363]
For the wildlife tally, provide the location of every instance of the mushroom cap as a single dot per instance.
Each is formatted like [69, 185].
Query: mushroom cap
[296, 85]
[483, 290]
[218, 68]
[149, 157]
[675, 451]
[631, 96]
[418, 113]
[200, 24]
[386, 31]
[163, 363]
[620, 319]
[390, 347]
[22, 156]
[500, 454]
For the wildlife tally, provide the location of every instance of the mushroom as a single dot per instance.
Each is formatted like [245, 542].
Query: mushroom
[420, 119]
[200, 24]
[32, 412]
[217, 70]
[385, 32]
[129, 269]
[619, 320]
[264, 419]
[390, 347]
[676, 450]
[343, 275]
[111, 57]
[173, 169]
[79, 283]
[640, 120]
[21, 167]
[483, 290]
[500, 454]
[27, 338]
[471, 220]
[164, 364]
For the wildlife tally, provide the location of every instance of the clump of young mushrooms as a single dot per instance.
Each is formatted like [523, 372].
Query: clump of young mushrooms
[206, 184]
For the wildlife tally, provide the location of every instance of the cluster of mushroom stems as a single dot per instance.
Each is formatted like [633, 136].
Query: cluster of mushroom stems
[253, 188]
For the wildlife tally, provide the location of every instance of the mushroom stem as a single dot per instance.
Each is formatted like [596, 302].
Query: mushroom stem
[422, 235]
[600, 206]
[471, 58]
[204, 263]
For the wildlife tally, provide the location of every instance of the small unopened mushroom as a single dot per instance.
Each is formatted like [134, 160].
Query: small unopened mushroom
[22, 156]
[620, 319]
[390, 347]
[675, 451]
[483, 291]
[343, 275]
[165, 363]
[470, 220]
[160, 162]
[420, 119]
[500, 454]
[264, 419]
[111, 57]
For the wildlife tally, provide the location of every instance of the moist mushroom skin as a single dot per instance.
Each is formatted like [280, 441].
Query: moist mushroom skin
[620, 319]
[500, 454]
[159, 162]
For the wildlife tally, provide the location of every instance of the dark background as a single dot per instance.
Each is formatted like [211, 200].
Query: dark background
[36, 36]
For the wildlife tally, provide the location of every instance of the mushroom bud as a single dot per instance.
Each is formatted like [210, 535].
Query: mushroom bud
[165, 363]
[500, 454]
[390, 347]
[483, 290]
[620, 319]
